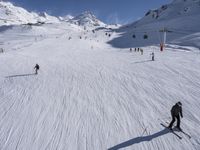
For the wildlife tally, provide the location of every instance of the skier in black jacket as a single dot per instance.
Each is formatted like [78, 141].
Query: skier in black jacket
[176, 112]
[152, 56]
[37, 67]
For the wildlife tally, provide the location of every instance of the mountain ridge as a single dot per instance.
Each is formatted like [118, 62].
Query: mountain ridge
[11, 14]
[180, 18]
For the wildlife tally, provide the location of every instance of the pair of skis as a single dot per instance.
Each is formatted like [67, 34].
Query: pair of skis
[172, 131]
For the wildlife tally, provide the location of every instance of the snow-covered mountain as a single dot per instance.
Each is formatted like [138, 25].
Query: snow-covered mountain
[180, 18]
[48, 18]
[10, 14]
[86, 19]
[177, 9]
[66, 18]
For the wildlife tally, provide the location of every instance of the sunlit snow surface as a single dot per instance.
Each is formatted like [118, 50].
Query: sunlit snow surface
[91, 92]
[91, 96]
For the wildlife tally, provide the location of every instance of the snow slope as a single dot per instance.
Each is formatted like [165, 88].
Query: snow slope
[89, 95]
[181, 19]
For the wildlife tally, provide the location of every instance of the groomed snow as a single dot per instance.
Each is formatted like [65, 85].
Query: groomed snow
[91, 96]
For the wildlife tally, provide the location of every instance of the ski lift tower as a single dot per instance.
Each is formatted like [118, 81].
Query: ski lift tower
[165, 31]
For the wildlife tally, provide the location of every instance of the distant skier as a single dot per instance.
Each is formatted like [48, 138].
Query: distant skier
[176, 112]
[131, 49]
[1, 50]
[152, 56]
[37, 67]
[141, 50]
[135, 49]
[161, 47]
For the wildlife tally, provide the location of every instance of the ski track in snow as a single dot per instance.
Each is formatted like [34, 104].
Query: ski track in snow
[95, 99]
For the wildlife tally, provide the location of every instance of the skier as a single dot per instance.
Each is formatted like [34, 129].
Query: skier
[176, 112]
[130, 49]
[1, 50]
[161, 47]
[37, 67]
[152, 56]
[141, 50]
[135, 49]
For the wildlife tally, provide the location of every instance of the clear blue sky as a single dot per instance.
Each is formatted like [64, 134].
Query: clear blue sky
[109, 11]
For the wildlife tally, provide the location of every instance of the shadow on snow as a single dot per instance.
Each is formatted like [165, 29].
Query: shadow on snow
[140, 139]
[20, 75]
[138, 62]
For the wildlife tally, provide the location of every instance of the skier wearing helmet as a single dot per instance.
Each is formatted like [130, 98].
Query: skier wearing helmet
[176, 112]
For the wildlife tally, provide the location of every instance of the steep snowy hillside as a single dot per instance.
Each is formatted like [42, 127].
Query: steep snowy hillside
[180, 18]
[91, 96]
[47, 18]
[177, 9]
[86, 19]
[10, 14]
